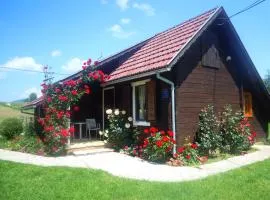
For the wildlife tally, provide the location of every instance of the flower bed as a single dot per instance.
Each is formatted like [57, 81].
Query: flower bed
[230, 134]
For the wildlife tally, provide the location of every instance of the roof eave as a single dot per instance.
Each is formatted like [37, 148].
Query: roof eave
[136, 76]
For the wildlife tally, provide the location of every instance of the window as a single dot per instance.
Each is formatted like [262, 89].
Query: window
[139, 98]
[140, 102]
[248, 112]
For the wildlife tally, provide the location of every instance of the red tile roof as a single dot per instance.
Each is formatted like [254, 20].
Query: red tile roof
[33, 103]
[158, 51]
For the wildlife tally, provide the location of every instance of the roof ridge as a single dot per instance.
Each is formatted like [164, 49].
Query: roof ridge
[187, 20]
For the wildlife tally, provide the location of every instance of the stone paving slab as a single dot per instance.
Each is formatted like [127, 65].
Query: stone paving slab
[129, 167]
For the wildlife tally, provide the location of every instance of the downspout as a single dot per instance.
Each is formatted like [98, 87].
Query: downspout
[173, 106]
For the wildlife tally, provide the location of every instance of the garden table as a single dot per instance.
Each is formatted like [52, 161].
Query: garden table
[80, 127]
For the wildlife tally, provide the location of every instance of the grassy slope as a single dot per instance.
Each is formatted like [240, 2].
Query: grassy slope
[19, 181]
[6, 112]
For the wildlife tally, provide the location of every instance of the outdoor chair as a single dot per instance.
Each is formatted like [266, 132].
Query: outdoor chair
[91, 125]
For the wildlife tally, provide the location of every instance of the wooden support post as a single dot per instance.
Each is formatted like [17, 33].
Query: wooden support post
[268, 136]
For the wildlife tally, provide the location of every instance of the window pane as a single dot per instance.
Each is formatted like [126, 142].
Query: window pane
[140, 102]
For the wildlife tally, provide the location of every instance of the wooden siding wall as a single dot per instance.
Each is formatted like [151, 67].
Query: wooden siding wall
[199, 86]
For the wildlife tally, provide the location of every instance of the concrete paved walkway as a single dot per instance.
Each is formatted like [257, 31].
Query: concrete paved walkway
[125, 166]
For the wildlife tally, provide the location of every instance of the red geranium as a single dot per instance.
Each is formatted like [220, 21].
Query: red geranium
[153, 130]
[159, 143]
[165, 139]
[146, 131]
[181, 149]
[188, 156]
[170, 133]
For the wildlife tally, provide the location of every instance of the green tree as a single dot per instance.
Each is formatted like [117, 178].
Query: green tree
[32, 96]
[267, 80]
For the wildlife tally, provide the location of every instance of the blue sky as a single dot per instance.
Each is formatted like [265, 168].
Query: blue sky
[63, 33]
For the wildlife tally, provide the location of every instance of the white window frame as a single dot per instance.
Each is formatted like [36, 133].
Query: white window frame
[134, 84]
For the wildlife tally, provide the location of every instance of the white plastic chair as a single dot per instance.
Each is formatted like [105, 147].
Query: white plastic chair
[91, 125]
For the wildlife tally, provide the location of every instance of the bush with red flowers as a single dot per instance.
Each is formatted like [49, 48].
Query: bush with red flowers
[188, 153]
[59, 98]
[236, 131]
[153, 144]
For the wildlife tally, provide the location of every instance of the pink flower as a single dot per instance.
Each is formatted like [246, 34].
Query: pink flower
[89, 61]
[49, 99]
[96, 63]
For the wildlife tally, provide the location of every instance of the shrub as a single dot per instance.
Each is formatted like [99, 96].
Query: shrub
[157, 145]
[153, 144]
[29, 128]
[119, 132]
[236, 132]
[208, 135]
[11, 127]
[188, 153]
[28, 144]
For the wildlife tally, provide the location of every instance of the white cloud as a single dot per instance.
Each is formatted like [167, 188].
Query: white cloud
[103, 1]
[146, 8]
[56, 53]
[28, 91]
[125, 20]
[123, 4]
[27, 63]
[73, 65]
[118, 32]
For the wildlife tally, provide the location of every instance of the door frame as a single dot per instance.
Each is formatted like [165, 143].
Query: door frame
[103, 105]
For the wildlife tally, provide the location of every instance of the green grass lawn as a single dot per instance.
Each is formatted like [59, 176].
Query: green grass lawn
[19, 181]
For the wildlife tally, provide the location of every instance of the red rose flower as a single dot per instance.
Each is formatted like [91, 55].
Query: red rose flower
[57, 90]
[188, 156]
[72, 129]
[64, 132]
[194, 146]
[153, 134]
[87, 91]
[146, 131]
[76, 108]
[74, 92]
[181, 149]
[49, 99]
[170, 133]
[175, 155]
[254, 134]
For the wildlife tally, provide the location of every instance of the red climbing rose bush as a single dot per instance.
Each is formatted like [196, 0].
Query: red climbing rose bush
[60, 101]
[153, 144]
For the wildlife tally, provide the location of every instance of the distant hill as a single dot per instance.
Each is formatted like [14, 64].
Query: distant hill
[20, 101]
